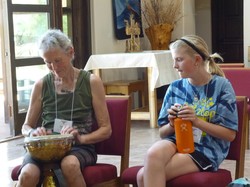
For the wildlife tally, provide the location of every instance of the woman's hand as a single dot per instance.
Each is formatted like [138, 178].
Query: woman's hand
[71, 130]
[40, 131]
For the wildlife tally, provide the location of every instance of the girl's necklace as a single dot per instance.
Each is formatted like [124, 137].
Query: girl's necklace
[197, 91]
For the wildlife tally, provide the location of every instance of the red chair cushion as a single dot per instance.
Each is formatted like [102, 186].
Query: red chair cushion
[221, 178]
[14, 174]
[129, 175]
[99, 173]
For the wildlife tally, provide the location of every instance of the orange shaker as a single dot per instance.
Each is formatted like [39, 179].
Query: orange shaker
[184, 135]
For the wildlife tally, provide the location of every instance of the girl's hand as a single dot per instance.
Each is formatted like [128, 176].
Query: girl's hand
[173, 112]
[187, 113]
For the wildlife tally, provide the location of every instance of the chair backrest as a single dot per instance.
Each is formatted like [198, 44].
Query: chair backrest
[231, 65]
[119, 108]
[237, 147]
[239, 78]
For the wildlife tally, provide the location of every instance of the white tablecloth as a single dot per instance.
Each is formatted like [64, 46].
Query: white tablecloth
[161, 62]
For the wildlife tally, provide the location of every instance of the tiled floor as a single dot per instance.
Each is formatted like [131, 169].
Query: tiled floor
[142, 138]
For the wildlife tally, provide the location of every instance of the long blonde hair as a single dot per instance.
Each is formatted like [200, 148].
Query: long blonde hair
[196, 45]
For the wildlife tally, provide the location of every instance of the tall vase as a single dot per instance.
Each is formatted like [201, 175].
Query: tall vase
[159, 36]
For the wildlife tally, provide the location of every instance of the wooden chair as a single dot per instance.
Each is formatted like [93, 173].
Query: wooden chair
[231, 65]
[105, 174]
[220, 178]
[127, 87]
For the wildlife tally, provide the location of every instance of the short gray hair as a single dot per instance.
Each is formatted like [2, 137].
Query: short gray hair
[54, 39]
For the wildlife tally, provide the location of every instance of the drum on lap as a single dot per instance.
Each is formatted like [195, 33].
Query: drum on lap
[49, 149]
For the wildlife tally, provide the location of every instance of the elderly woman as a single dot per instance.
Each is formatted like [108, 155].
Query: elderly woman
[65, 94]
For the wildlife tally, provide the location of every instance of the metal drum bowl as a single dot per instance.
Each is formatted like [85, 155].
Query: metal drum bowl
[48, 148]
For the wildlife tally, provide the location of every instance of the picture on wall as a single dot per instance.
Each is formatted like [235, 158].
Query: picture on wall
[122, 11]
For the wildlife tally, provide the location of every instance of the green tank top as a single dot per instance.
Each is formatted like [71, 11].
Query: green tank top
[82, 114]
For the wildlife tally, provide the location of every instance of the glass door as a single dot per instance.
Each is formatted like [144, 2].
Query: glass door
[27, 21]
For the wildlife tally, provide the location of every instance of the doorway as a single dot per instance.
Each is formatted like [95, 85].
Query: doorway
[227, 29]
[4, 126]
[21, 65]
[220, 24]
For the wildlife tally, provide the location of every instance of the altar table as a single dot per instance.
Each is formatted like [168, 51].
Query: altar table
[160, 72]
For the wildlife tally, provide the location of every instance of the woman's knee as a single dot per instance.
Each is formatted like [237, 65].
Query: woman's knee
[70, 164]
[29, 172]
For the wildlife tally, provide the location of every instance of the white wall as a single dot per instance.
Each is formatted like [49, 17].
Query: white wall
[188, 26]
[103, 36]
[196, 20]
[1, 43]
[104, 40]
[246, 34]
[203, 21]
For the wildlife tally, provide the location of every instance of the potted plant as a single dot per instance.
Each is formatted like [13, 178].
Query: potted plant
[160, 17]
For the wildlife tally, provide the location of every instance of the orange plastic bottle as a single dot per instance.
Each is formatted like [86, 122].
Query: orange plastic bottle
[184, 135]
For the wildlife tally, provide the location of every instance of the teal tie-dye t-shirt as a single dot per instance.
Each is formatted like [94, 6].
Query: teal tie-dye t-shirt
[215, 102]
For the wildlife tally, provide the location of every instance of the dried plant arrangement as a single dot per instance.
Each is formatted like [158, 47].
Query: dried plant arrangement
[157, 12]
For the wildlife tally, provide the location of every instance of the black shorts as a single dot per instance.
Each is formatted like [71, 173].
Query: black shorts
[203, 163]
[86, 156]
